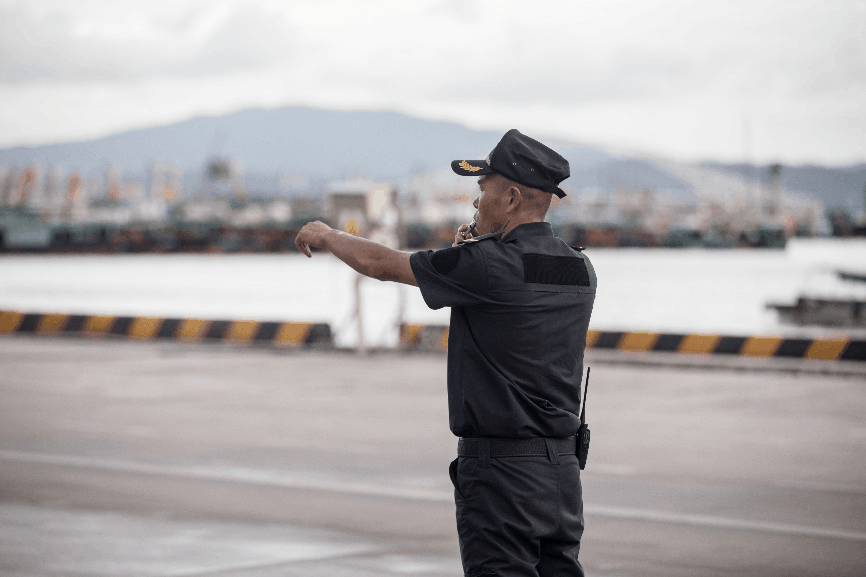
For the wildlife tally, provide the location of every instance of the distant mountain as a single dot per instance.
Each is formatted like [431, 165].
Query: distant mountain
[319, 145]
[833, 186]
[613, 173]
[323, 145]
[304, 141]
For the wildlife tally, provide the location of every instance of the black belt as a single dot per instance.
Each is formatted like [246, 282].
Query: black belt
[470, 447]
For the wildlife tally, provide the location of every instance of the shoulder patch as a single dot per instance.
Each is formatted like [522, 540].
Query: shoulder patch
[445, 260]
[547, 269]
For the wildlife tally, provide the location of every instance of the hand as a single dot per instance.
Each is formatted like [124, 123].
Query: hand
[312, 234]
[462, 234]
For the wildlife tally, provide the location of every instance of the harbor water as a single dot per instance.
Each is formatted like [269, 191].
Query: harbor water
[661, 290]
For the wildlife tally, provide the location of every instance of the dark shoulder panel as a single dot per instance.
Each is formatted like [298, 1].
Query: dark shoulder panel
[561, 270]
[445, 260]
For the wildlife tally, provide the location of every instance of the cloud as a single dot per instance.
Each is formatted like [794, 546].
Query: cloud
[122, 42]
[670, 76]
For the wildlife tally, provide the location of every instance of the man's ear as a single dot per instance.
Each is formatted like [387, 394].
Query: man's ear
[515, 197]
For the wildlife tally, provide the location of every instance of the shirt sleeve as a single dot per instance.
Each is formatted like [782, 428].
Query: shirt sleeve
[451, 277]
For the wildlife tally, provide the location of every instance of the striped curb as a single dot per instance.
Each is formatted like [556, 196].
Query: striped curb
[427, 337]
[282, 334]
[412, 336]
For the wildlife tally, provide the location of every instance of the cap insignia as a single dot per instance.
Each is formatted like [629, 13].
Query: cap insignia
[466, 166]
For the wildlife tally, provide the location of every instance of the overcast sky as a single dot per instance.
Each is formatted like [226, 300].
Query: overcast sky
[684, 79]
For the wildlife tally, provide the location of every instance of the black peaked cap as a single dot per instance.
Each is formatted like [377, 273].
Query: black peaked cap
[522, 159]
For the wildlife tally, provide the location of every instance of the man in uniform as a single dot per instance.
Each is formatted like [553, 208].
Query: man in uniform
[520, 303]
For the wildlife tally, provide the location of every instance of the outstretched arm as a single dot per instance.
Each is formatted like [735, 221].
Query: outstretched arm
[365, 256]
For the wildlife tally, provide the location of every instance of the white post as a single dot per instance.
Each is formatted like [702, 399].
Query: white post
[359, 315]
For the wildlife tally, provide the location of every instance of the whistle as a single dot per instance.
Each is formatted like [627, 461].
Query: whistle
[472, 225]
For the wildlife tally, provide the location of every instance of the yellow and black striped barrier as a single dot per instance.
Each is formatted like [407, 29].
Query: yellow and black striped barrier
[418, 337]
[284, 334]
[835, 349]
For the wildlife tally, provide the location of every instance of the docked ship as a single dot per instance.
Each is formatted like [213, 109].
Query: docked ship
[840, 312]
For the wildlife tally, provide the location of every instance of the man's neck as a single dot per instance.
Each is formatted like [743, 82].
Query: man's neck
[515, 223]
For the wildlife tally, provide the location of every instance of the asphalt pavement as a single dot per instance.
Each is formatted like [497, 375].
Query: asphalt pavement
[128, 458]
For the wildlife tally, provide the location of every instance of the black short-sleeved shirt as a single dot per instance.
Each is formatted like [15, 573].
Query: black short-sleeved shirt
[520, 309]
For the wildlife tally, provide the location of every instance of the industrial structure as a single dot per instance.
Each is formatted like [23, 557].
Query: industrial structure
[43, 208]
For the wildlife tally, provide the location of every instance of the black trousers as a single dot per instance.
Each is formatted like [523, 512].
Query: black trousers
[519, 516]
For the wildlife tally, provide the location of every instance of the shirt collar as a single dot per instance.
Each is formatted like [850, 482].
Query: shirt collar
[528, 229]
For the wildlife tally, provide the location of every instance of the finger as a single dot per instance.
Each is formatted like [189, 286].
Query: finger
[462, 231]
[302, 247]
